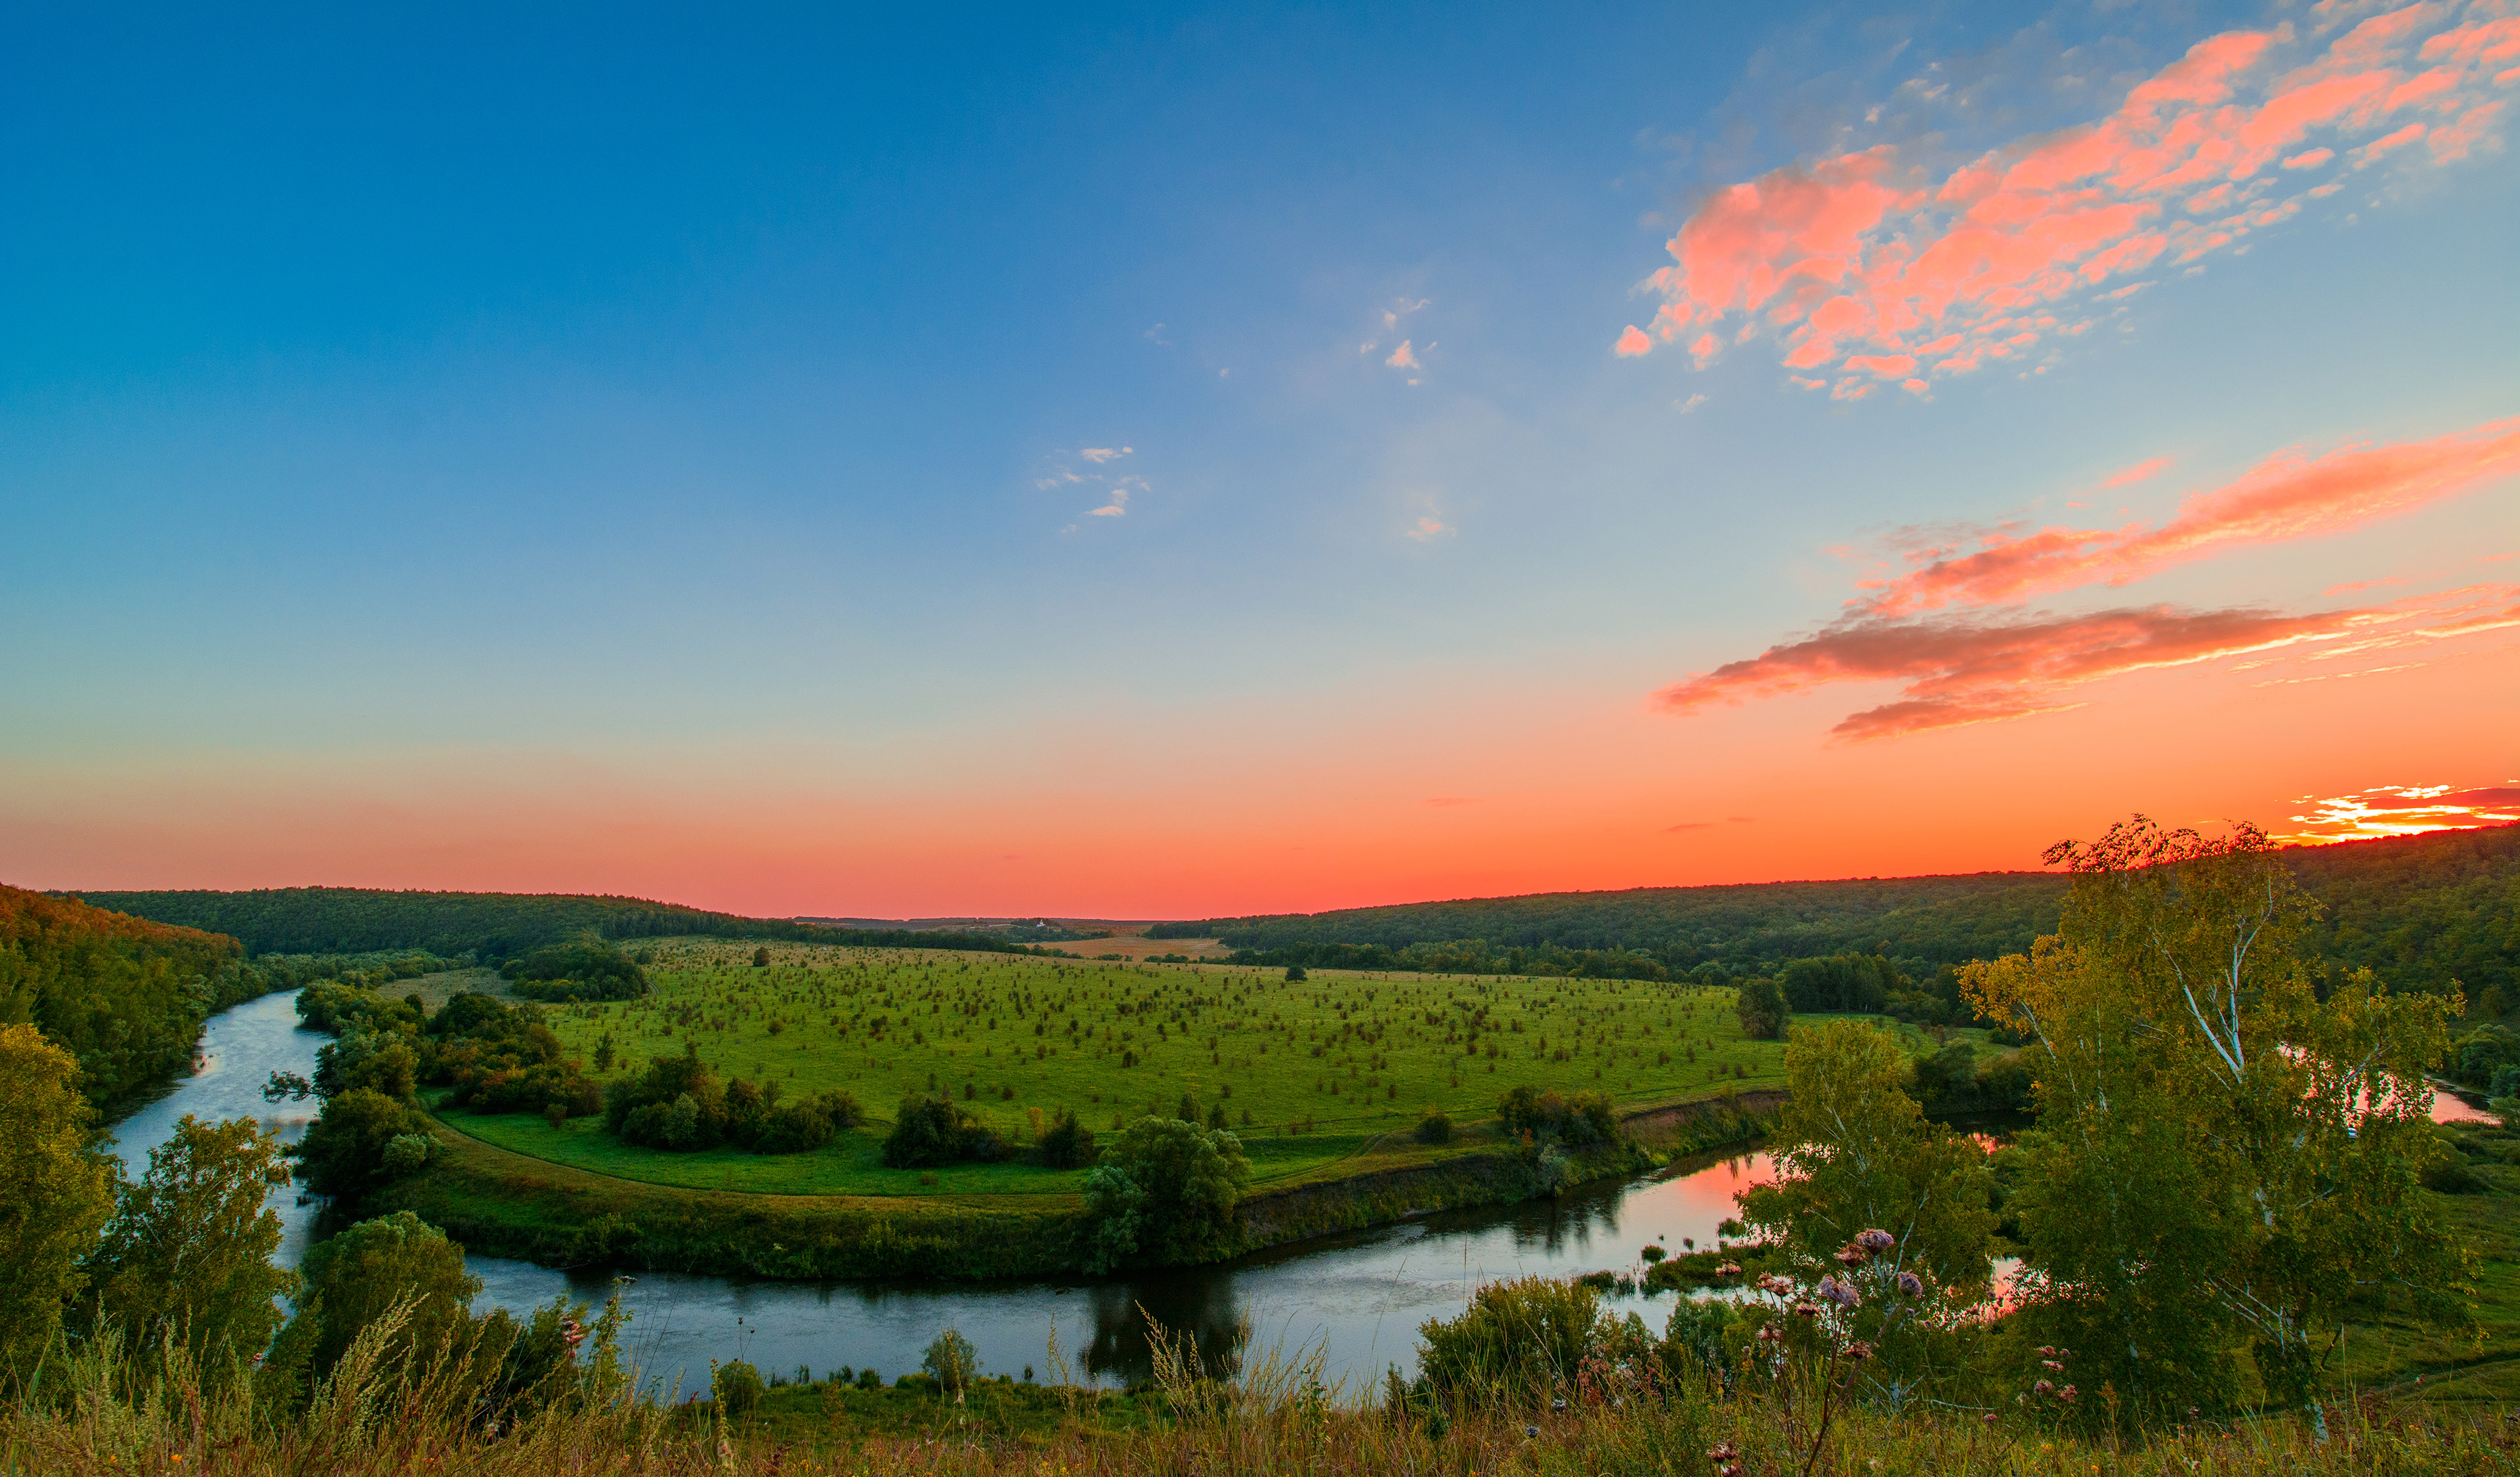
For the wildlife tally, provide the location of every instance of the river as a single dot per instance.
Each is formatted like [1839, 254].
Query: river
[1355, 1300]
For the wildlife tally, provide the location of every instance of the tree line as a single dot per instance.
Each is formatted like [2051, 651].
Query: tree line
[2424, 910]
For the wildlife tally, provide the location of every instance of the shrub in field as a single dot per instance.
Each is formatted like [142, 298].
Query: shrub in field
[1066, 1144]
[1434, 1128]
[396, 1263]
[1763, 1009]
[1586, 1118]
[930, 1132]
[737, 1387]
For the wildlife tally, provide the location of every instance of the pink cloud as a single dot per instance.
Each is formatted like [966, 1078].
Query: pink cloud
[2138, 473]
[1633, 343]
[1868, 257]
[1977, 667]
[1403, 358]
[2289, 496]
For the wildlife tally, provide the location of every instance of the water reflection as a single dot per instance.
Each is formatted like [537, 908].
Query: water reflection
[1356, 1300]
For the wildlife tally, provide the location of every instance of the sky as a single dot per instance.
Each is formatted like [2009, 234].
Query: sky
[1172, 462]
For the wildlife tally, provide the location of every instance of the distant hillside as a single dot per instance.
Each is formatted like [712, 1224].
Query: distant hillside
[2422, 910]
[126, 997]
[326, 920]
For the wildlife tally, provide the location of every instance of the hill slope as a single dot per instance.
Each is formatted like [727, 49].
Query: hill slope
[317, 921]
[125, 997]
[2421, 910]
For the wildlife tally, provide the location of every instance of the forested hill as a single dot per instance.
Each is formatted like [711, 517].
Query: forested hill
[2422, 910]
[350, 921]
[125, 997]
[326, 920]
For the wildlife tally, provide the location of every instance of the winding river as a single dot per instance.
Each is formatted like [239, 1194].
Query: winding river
[1354, 1300]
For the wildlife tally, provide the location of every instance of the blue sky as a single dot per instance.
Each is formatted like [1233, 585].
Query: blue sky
[410, 422]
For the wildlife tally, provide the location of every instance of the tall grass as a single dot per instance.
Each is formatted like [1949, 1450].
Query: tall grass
[159, 1413]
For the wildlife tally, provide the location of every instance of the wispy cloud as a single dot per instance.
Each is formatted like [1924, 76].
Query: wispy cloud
[1097, 479]
[2292, 494]
[1428, 529]
[1876, 254]
[1403, 358]
[2140, 472]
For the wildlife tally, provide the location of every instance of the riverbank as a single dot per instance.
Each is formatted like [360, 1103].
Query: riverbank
[501, 1202]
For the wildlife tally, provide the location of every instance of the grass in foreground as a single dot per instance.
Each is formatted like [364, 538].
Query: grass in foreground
[1309, 1072]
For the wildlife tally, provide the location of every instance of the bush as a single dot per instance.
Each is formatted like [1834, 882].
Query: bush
[1586, 1118]
[931, 1132]
[737, 1387]
[1294, 974]
[1434, 1128]
[953, 1362]
[1065, 1144]
[1515, 1340]
[1763, 1011]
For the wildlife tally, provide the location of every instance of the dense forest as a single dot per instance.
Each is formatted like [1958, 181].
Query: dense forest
[2421, 910]
[124, 997]
[489, 926]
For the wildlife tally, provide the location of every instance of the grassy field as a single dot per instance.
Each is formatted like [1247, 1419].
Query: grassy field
[1311, 1073]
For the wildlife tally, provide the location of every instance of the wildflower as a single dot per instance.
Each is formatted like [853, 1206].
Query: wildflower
[2049, 1364]
[1559, 1404]
[1531, 1431]
[1768, 1333]
[1806, 1309]
[1875, 1240]
[1910, 1285]
[2042, 1388]
[1850, 1257]
[1729, 1270]
[1723, 1451]
[1843, 1294]
[2046, 1352]
[1988, 1417]
[1859, 1350]
[2066, 1395]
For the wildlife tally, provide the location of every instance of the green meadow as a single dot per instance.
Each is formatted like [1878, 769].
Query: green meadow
[1309, 1072]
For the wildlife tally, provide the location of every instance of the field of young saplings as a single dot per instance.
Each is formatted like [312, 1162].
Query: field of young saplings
[1305, 1071]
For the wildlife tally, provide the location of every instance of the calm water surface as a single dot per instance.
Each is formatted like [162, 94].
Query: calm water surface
[1356, 1299]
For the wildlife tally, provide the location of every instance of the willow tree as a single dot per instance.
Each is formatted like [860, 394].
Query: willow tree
[2226, 1164]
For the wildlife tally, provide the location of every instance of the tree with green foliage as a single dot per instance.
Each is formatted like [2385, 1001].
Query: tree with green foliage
[2225, 1160]
[188, 1253]
[736, 1386]
[1164, 1192]
[1066, 1144]
[953, 1362]
[582, 969]
[346, 1151]
[930, 1133]
[354, 1277]
[1854, 1152]
[1517, 1339]
[55, 1189]
[1763, 1009]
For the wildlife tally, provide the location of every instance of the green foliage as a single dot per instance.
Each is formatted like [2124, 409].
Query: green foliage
[1847, 982]
[952, 1362]
[1066, 1144]
[1164, 1193]
[345, 1151]
[124, 997]
[1580, 1120]
[55, 1192]
[737, 1387]
[188, 1253]
[1434, 1128]
[2228, 1162]
[1763, 1011]
[928, 1132]
[1854, 1152]
[395, 1261]
[321, 920]
[582, 969]
[1517, 1340]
